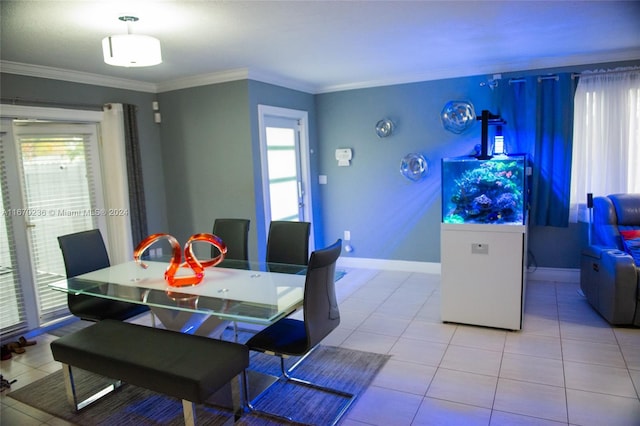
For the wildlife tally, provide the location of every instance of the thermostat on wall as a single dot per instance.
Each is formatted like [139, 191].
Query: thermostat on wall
[344, 155]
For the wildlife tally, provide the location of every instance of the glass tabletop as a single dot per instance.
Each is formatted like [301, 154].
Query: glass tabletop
[241, 291]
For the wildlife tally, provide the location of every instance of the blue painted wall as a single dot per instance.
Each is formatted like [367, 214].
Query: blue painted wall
[389, 216]
[202, 161]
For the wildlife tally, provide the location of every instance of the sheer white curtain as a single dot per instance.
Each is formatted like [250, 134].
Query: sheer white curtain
[606, 137]
[116, 192]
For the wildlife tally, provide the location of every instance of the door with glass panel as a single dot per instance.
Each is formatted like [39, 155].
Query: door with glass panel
[58, 192]
[285, 165]
[285, 185]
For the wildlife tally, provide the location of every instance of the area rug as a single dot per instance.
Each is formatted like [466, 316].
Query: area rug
[345, 369]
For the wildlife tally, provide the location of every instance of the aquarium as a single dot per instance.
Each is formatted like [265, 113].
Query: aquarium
[491, 191]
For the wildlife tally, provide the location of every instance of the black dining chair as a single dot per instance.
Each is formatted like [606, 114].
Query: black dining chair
[291, 337]
[85, 252]
[235, 234]
[287, 245]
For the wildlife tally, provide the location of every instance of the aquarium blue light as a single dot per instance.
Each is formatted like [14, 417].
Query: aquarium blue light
[491, 191]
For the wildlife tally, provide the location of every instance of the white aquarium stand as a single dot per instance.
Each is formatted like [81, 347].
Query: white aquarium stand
[483, 274]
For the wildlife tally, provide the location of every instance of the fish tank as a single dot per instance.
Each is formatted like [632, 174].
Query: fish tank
[485, 191]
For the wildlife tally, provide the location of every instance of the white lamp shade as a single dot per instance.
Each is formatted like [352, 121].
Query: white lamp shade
[131, 50]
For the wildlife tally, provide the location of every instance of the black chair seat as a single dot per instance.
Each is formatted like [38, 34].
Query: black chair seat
[287, 336]
[92, 308]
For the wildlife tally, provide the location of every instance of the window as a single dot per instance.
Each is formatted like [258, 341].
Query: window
[13, 316]
[58, 171]
[49, 185]
[606, 137]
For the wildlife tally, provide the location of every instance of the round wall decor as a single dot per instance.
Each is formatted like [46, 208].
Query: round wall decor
[384, 128]
[458, 116]
[414, 167]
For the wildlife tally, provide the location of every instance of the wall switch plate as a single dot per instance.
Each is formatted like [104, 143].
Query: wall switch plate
[347, 235]
[322, 179]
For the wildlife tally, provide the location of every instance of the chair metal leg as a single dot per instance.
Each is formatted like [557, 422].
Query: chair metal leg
[287, 376]
[252, 409]
[343, 409]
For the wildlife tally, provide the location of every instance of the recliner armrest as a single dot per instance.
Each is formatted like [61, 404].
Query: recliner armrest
[597, 252]
[617, 262]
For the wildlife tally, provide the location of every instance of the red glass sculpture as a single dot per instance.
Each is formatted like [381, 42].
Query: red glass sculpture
[191, 261]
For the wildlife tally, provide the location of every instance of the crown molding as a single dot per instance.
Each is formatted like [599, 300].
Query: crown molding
[232, 75]
[282, 82]
[524, 65]
[142, 86]
[264, 77]
[76, 76]
[203, 80]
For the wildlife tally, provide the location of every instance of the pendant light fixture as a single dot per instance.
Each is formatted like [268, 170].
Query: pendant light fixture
[131, 50]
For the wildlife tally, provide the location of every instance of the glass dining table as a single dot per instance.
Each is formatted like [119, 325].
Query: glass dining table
[237, 291]
[233, 292]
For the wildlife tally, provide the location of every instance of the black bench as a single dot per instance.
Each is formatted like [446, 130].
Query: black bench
[184, 366]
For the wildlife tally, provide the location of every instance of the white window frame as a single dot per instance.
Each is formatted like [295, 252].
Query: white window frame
[20, 236]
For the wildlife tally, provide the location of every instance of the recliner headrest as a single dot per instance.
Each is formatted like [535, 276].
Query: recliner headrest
[627, 208]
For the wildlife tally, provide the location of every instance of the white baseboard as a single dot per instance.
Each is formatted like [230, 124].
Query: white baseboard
[567, 275]
[387, 264]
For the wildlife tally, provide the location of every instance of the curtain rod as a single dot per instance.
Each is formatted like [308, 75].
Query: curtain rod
[540, 79]
[35, 102]
[578, 74]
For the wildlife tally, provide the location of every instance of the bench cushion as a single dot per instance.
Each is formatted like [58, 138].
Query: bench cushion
[180, 365]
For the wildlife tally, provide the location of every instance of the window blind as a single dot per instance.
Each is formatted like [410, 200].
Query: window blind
[59, 197]
[12, 311]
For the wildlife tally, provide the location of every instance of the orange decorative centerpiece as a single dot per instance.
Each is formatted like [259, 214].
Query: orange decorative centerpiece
[191, 261]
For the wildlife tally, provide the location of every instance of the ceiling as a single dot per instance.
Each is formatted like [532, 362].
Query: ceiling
[317, 46]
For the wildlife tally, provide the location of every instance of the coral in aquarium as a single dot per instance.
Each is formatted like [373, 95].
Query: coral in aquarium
[490, 192]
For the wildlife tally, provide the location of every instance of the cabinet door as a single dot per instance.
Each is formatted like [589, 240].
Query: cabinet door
[482, 278]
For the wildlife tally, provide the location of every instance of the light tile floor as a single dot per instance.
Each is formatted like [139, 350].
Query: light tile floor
[566, 367]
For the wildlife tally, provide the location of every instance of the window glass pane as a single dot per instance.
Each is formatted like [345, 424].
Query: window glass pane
[57, 179]
[277, 136]
[284, 200]
[282, 163]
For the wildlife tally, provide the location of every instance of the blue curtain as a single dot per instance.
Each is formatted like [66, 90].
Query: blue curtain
[539, 115]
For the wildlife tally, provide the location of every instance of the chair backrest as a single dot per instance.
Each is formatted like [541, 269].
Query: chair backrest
[321, 314]
[612, 214]
[288, 242]
[235, 234]
[83, 252]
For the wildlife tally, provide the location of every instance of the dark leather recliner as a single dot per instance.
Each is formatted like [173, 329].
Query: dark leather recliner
[609, 275]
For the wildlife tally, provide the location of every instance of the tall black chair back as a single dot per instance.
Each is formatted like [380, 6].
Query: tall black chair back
[235, 234]
[321, 314]
[84, 252]
[288, 244]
